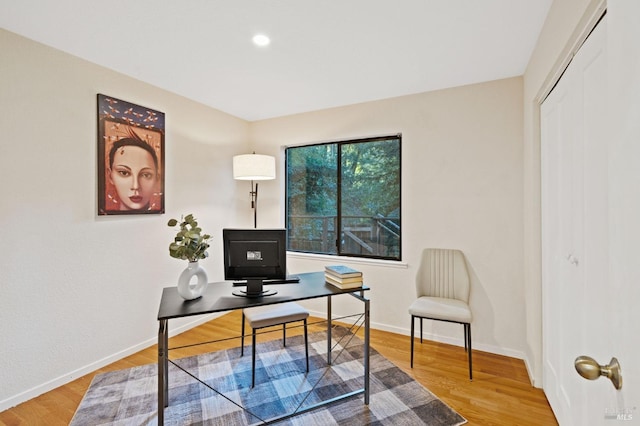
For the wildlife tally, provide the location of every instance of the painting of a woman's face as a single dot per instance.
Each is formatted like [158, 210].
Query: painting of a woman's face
[134, 175]
[130, 158]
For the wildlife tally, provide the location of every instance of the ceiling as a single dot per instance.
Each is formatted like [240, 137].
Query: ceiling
[322, 53]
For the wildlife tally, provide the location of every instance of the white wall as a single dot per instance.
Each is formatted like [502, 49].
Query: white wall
[461, 188]
[78, 290]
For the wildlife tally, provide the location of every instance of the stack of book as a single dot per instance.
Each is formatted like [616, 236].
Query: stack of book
[342, 276]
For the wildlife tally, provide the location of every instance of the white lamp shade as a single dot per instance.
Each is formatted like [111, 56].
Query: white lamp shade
[254, 167]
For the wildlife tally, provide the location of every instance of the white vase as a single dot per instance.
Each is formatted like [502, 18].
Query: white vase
[190, 291]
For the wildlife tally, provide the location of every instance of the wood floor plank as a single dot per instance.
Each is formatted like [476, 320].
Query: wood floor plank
[500, 393]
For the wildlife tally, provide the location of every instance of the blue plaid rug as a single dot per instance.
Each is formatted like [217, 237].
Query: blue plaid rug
[129, 397]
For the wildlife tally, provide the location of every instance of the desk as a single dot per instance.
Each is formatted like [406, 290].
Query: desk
[218, 298]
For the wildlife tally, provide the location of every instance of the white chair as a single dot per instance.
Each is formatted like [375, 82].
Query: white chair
[442, 286]
[270, 315]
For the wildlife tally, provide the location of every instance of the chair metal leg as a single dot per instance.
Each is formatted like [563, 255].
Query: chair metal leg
[468, 338]
[412, 327]
[242, 338]
[253, 358]
[306, 344]
[467, 342]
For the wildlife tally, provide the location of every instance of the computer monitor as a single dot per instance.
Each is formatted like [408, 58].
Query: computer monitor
[254, 255]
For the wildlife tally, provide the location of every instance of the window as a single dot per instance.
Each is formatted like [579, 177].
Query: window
[343, 198]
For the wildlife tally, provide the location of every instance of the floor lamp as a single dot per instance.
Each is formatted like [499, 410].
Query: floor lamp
[254, 167]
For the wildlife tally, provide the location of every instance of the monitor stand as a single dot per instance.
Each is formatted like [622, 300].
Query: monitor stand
[254, 289]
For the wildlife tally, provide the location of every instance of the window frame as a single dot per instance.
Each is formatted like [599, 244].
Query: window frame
[339, 145]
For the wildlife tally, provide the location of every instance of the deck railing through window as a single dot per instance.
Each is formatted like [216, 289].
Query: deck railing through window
[377, 236]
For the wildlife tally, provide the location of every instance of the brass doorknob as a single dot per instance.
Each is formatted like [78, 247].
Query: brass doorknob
[588, 368]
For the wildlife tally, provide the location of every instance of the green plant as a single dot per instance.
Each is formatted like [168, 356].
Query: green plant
[189, 243]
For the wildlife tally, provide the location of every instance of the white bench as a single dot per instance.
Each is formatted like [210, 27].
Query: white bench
[270, 315]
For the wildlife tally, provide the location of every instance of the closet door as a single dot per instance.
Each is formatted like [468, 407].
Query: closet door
[575, 233]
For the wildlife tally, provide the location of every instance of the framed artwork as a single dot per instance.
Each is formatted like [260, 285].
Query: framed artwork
[130, 158]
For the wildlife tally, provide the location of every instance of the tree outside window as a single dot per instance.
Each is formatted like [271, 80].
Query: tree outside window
[343, 198]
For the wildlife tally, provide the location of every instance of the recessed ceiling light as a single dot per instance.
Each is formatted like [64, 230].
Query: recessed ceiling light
[261, 40]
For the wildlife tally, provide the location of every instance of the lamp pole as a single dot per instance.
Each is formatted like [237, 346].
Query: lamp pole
[254, 204]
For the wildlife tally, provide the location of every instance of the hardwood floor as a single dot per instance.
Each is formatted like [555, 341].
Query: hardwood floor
[500, 393]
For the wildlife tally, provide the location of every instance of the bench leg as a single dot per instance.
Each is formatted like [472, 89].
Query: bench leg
[242, 338]
[306, 344]
[284, 335]
[253, 358]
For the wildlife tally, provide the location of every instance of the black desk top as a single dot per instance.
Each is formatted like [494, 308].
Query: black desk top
[218, 296]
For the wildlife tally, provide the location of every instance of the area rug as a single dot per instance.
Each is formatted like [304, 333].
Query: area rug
[129, 397]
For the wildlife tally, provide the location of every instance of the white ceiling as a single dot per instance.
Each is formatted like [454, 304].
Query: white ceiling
[323, 53]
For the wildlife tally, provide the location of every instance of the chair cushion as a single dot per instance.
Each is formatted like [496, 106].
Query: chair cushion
[266, 316]
[441, 309]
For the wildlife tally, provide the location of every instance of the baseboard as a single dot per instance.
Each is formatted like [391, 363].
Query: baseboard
[532, 378]
[498, 350]
[89, 368]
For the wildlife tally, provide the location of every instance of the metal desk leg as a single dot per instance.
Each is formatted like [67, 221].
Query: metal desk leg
[163, 370]
[329, 330]
[366, 351]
